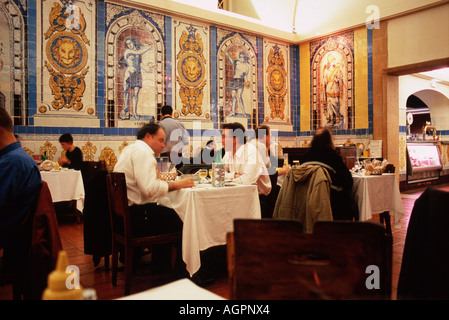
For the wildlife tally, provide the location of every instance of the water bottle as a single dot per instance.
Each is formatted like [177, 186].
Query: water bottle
[218, 171]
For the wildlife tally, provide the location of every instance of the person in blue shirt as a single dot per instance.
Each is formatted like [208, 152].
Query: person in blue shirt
[20, 180]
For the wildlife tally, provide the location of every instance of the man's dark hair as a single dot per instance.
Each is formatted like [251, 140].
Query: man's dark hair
[5, 120]
[238, 131]
[322, 139]
[209, 142]
[150, 128]
[262, 130]
[166, 109]
[66, 137]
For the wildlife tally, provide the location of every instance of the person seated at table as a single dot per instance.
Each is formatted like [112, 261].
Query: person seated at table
[262, 141]
[20, 181]
[73, 158]
[137, 161]
[207, 155]
[322, 151]
[244, 164]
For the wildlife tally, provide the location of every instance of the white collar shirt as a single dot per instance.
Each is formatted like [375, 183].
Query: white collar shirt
[249, 165]
[139, 164]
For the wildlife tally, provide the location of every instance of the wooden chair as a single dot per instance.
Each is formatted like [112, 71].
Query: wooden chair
[33, 254]
[122, 233]
[274, 259]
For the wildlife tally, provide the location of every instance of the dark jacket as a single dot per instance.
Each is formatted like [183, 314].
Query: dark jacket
[341, 190]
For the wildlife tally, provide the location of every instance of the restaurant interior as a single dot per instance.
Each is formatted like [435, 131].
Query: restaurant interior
[64, 68]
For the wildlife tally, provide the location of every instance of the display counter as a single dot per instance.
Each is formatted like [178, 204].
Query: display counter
[423, 161]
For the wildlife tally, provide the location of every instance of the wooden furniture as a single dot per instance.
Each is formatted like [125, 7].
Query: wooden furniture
[32, 254]
[349, 154]
[90, 168]
[122, 233]
[273, 259]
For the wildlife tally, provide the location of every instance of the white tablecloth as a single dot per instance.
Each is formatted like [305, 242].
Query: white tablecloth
[208, 214]
[183, 289]
[65, 185]
[376, 194]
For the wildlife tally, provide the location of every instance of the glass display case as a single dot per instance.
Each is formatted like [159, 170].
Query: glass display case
[423, 157]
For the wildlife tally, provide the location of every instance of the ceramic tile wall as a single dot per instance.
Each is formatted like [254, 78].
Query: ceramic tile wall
[100, 70]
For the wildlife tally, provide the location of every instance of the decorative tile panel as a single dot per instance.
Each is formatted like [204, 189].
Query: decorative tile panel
[332, 82]
[191, 71]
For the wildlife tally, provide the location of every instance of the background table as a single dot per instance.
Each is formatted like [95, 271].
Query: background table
[65, 185]
[208, 214]
[377, 194]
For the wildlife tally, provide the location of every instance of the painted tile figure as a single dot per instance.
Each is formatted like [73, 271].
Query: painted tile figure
[239, 81]
[333, 86]
[132, 78]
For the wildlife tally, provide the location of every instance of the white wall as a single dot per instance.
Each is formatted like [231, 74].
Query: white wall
[437, 99]
[419, 37]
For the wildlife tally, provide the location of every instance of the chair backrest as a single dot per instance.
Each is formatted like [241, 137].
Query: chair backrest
[273, 259]
[425, 260]
[118, 204]
[90, 168]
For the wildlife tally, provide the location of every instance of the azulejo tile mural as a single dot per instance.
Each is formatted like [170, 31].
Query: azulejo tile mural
[192, 71]
[237, 81]
[332, 87]
[66, 83]
[99, 70]
[277, 89]
[135, 65]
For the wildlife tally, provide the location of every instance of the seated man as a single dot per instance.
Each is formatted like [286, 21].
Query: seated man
[20, 180]
[243, 162]
[207, 155]
[144, 187]
[73, 158]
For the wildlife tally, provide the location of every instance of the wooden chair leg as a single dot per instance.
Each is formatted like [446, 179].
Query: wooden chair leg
[385, 216]
[106, 262]
[114, 264]
[128, 269]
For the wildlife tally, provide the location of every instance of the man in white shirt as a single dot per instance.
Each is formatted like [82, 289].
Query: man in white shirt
[144, 187]
[243, 162]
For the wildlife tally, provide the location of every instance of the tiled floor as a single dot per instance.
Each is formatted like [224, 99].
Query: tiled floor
[98, 278]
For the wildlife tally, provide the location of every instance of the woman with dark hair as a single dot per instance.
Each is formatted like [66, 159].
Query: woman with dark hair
[322, 152]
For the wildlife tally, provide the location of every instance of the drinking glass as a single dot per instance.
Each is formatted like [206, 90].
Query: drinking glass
[202, 173]
[211, 173]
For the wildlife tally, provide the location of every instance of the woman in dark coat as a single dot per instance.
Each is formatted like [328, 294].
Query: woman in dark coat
[322, 150]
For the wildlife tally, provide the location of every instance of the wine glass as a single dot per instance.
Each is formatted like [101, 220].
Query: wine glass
[211, 173]
[202, 173]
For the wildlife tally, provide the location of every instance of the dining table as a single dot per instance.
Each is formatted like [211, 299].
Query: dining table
[378, 194]
[65, 185]
[208, 213]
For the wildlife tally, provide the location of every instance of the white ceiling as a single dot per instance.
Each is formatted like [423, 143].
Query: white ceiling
[312, 18]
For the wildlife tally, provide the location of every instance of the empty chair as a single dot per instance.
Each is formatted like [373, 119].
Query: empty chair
[97, 225]
[425, 261]
[122, 233]
[274, 259]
